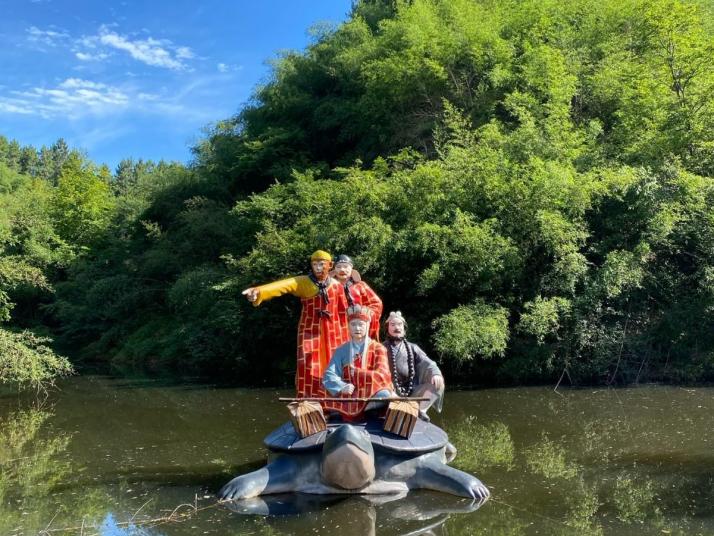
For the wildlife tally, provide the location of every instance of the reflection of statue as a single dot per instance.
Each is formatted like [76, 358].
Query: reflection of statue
[413, 373]
[343, 460]
[321, 329]
[360, 515]
[358, 368]
[357, 292]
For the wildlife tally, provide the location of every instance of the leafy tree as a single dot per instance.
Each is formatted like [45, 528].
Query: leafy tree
[29, 250]
[82, 202]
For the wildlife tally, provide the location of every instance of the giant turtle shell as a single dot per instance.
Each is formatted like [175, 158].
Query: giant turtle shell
[426, 437]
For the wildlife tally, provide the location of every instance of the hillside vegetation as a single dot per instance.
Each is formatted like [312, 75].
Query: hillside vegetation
[529, 182]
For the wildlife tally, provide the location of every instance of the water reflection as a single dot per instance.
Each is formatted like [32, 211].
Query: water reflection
[591, 477]
[116, 459]
[415, 513]
[482, 446]
[32, 467]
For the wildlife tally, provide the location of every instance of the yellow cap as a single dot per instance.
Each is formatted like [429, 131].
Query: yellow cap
[320, 255]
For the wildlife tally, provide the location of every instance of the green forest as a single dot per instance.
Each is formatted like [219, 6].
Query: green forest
[528, 181]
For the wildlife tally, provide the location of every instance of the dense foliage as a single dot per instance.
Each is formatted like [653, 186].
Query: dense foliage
[528, 181]
[31, 252]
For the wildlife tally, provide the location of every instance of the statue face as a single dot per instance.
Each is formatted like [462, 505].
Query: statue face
[343, 271]
[396, 328]
[358, 329]
[320, 268]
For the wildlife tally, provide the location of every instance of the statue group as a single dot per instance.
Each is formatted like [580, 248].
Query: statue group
[338, 345]
[344, 370]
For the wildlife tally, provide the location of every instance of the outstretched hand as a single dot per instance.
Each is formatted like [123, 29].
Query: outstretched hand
[251, 293]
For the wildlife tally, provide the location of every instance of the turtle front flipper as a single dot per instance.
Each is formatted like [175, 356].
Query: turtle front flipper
[279, 476]
[436, 476]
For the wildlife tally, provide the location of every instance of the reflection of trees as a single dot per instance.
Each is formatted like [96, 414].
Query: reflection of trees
[482, 445]
[491, 521]
[549, 459]
[583, 480]
[31, 467]
[577, 483]
[634, 498]
[586, 492]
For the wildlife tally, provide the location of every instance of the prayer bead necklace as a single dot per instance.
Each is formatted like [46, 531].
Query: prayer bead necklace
[398, 387]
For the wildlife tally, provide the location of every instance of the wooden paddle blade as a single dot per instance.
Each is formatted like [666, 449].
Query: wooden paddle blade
[401, 418]
[307, 417]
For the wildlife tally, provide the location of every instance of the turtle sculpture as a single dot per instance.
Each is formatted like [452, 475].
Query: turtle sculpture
[358, 458]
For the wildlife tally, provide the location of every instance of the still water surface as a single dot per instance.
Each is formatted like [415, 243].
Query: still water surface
[118, 457]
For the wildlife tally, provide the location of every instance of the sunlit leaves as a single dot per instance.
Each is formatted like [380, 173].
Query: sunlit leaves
[82, 202]
[469, 331]
[543, 316]
[26, 360]
[474, 251]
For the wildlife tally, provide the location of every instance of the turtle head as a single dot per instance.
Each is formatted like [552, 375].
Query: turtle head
[347, 458]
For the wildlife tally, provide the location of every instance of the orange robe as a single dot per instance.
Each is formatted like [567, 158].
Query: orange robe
[368, 374]
[318, 334]
[362, 294]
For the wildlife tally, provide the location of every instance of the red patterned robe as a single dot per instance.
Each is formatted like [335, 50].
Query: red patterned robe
[362, 294]
[368, 374]
[318, 335]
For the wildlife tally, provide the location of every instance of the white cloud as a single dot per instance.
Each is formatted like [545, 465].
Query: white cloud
[98, 47]
[7, 106]
[155, 52]
[87, 41]
[78, 83]
[72, 98]
[226, 67]
[86, 56]
[77, 98]
[185, 53]
[50, 38]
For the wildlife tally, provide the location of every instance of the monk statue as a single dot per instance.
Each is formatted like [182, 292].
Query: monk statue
[358, 369]
[413, 372]
[321, 329]
[358, 292]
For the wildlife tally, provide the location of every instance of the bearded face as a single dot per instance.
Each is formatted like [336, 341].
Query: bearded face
[396, 328]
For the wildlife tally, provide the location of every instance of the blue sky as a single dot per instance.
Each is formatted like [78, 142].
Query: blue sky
[140, 79]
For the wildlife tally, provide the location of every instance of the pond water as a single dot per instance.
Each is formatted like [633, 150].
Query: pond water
[118, 457]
